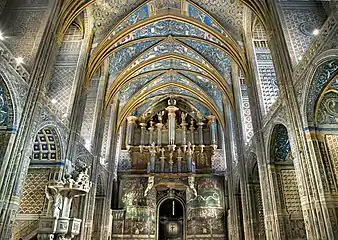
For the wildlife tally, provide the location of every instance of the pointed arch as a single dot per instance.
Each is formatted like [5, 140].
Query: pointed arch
[104, 49]
[133, 103]
[125, 77]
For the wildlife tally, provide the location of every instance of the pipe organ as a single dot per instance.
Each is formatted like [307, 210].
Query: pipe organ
[171, 141]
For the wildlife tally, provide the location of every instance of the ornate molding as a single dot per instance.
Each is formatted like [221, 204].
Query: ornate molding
[9, 57]
[314, 49]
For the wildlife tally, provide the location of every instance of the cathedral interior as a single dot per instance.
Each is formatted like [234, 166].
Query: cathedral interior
[168, 119]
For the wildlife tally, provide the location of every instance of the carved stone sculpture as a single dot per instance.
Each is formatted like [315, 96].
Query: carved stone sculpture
[151, 181]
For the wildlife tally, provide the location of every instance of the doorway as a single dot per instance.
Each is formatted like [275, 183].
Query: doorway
[171, 220]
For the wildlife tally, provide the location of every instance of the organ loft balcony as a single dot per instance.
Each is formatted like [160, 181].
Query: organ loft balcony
[172, 140]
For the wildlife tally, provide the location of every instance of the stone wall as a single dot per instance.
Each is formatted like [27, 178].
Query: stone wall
[300, 19]
[60, 89]
[23, 22]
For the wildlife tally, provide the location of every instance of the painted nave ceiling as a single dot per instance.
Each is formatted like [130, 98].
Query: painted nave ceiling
[168, 119]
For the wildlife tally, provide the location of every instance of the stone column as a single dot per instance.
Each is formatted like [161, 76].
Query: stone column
[232, 214]
[131, 122]
[98, 123]
[272, 222]
[110, 155]
[238, 131]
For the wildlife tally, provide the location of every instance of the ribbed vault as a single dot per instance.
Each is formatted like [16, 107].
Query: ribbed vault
[166, 48]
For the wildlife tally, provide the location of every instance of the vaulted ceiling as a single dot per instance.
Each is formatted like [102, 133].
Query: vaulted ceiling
[159, 48]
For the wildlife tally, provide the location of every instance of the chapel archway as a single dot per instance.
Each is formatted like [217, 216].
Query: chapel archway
[256, 197]
[286, 185]
[171, 219]
[323, 115]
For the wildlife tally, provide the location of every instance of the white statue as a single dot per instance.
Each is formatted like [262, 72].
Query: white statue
[152, 149]
[54, 201]
[191, 183]
[183, 116]
[179, 152]
[151, 181]
[162, 152]
[190, 150]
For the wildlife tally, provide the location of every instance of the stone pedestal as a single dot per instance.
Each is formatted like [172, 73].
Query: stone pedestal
[57, 224]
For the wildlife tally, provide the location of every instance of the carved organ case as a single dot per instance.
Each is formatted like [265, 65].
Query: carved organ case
[167, 160]
[171, 140]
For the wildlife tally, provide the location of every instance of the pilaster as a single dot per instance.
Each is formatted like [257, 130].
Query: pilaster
[272, 225]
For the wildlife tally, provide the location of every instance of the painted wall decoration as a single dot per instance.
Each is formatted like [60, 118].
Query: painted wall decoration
[299, 25]
[135, 84]
[215, 56]
[327, 112]
[229, 13]
[209, 194]
[46, 145]
[200, 15]
[170, 63]
[324, 73]
[246, 112]
[208, 86]
[280, 144]
[6, 118]
[33, 197]
[60, 87]
[170, 45]
[172, 89]
[6, 106]
[267, 76]
[140, 212]
[169, 77]
[108, 23]
[132, 193]
[205, 212]
[120, 59]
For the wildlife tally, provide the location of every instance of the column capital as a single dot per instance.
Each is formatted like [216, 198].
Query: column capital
[142, 124]
[171, 109]
[211, 118]
[131, 119]
[200, 124]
